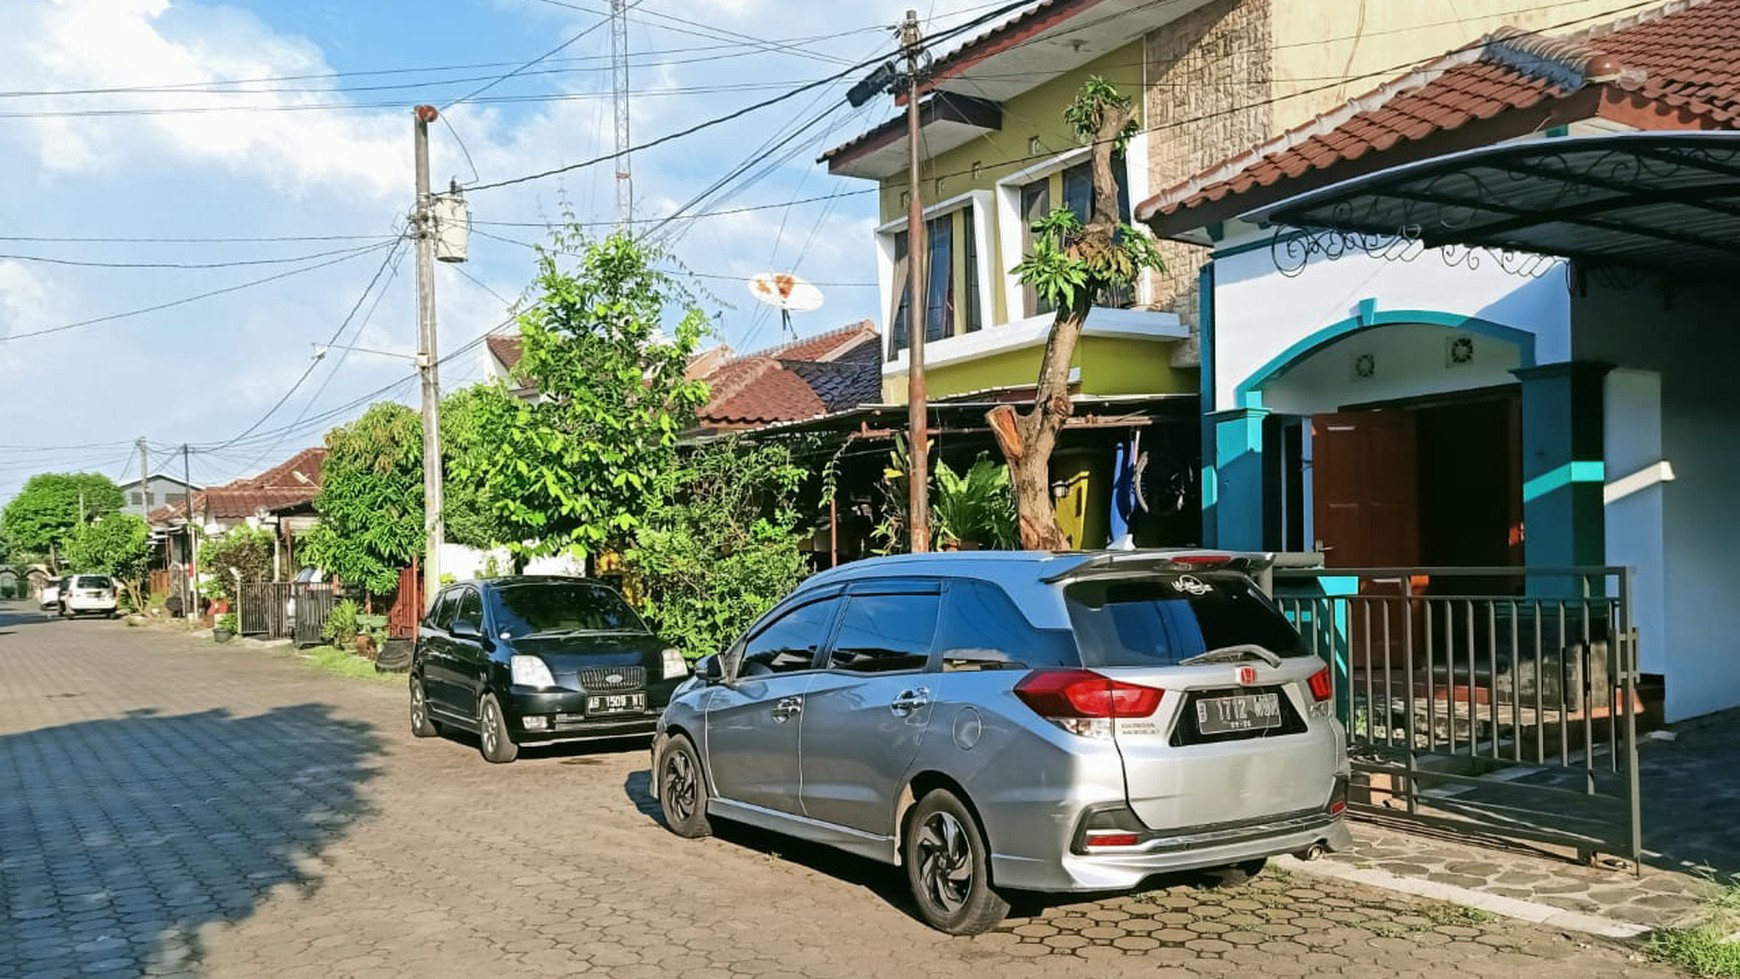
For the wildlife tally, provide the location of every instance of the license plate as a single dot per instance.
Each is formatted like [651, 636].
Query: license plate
[616, 703]
[1244, 712]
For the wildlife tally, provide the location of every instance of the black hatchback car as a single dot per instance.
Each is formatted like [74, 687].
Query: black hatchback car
[538, 659]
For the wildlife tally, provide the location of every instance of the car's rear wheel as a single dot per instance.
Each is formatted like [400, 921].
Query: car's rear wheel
[949, 868]
[683, 789]
[421, 725]
[492, 732]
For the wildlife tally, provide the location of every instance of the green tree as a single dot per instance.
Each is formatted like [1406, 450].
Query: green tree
[573, 470]
[118, 545]
[371, 500]
[246, 550]
[42, 517]
[720, 545]
[1071, 263]
[466, 443]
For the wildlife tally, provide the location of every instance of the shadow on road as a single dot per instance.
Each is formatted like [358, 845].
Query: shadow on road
[123, 836]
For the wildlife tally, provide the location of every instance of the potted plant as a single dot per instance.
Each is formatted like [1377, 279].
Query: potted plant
[371, 633]
[224, 628]
[974, 509]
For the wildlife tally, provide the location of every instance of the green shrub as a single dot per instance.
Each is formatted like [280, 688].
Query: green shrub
[226, 621]
[341, 625]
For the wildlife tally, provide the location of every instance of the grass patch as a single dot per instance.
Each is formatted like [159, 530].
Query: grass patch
[340, 662]
[1458, 914]
[1711, 947]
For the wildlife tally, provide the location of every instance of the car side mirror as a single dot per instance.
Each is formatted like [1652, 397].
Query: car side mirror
[464, 630]
[710, 668]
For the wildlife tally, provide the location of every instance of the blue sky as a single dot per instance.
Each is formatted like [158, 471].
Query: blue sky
[162, 164]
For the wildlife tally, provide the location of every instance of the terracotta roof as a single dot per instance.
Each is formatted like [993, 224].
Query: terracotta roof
[1684, 56]
[291, 483]
[796, 380]
[1034, 20]
[506, 350]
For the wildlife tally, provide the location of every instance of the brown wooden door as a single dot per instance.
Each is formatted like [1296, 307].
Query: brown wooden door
[1365, 484]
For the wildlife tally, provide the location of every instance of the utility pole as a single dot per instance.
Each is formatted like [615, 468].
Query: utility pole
[423, 225]
[144, 474]
[917, 313]
[619, 98]
[189, 600]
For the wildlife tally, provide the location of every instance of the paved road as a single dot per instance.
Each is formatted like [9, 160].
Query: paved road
[170, 808]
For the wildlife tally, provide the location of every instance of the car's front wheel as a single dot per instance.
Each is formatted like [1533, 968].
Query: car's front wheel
[421, 725]
[948, 867]
[682, 789]
[492, 732]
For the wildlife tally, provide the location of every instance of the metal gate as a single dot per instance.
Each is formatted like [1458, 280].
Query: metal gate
[1493, 701]
[285, 610]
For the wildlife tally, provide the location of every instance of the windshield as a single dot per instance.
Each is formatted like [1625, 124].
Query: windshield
[92, 581]
[1161, 620]
[561, 607]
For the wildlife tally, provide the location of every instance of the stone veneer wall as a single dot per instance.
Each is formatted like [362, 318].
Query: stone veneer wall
[1210, 79]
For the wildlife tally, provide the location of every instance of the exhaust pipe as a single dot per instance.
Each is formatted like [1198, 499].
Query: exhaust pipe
[1313, 852]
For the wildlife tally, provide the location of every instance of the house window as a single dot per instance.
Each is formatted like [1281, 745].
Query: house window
[138, 498]
[951, 289]
[1073, 186]
[150, 498]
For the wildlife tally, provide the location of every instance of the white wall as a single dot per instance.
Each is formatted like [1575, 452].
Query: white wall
[1406, 360]
[1632, 445]
[1259, 312]
[1694, 346]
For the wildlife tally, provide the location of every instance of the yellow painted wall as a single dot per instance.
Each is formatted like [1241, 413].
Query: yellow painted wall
[1109, 365]
[1317, 41]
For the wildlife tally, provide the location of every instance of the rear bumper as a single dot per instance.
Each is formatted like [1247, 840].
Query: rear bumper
[90, 605]
[1188, 848]
[563, 713]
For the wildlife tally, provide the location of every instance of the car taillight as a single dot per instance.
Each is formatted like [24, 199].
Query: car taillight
[1104, 838]
[1061, 694]
[1321, 684]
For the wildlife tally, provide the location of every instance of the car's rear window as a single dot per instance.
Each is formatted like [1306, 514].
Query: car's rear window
[558, 607]
[1159, 620]
[92, 581]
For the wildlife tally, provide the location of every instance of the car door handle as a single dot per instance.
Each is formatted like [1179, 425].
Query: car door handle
[909, 701]
[788, 708]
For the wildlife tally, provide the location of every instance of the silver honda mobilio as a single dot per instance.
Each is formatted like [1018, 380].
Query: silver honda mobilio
[1006, 721]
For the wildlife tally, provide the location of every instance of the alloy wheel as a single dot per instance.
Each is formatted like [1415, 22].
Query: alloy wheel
[488, 731]
[945, 861]
[680, 784]
[417, 706]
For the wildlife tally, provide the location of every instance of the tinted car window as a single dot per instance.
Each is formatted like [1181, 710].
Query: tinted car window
[470, 608]
[981, 629]
[883, 633]
[1162, 619]
[790, 643]
[555, 607]
[93, 581]
[440, 613]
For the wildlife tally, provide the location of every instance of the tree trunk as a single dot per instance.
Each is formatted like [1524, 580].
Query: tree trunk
[1027, 439]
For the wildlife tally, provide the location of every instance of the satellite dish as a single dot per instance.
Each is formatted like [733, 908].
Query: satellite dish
[786, 293]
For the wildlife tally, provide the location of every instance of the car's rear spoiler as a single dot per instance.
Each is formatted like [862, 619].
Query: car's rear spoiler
[1253, 563]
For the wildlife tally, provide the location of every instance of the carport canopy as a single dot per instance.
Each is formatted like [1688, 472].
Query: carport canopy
[1667, 202]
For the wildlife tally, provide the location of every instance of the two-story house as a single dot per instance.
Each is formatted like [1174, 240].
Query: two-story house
[141, 496]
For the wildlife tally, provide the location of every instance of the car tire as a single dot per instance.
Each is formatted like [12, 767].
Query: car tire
[492, 732]
[948, 867]
[682, 789]
[421, 725]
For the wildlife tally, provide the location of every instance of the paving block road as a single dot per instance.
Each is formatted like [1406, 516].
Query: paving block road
[174, 807]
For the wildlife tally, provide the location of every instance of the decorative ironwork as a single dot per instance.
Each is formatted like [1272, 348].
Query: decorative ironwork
[1292, 249]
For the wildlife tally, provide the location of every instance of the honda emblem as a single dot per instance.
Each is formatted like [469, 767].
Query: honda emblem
[1247, 675]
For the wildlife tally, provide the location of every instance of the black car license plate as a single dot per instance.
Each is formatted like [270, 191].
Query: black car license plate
[1244, 712]
[616, 703]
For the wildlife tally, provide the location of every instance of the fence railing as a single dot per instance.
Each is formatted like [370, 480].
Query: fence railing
[1501, 699]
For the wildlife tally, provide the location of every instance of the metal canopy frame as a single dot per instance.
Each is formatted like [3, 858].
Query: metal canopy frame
[1667, 202]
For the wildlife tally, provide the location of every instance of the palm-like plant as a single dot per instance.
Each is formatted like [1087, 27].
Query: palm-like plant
[975, 507]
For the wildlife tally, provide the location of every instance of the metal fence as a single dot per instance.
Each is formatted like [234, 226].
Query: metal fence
[1485, 700]
[285, 610]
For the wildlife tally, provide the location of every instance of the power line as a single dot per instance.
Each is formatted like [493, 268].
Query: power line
[195, 298]
[313, 363]
[188, 265]
[530, 64]
[188, 241]
[699, 275]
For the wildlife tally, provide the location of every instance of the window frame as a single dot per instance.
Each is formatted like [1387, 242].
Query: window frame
[1019, 303]
[875, 587]
[981, 247]
[470, 591]
[740, 649]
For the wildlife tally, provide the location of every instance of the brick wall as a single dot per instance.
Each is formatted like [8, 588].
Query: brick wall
[1210, 76]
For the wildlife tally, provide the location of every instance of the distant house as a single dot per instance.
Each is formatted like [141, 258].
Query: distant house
[141, 496]
[281, 498]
